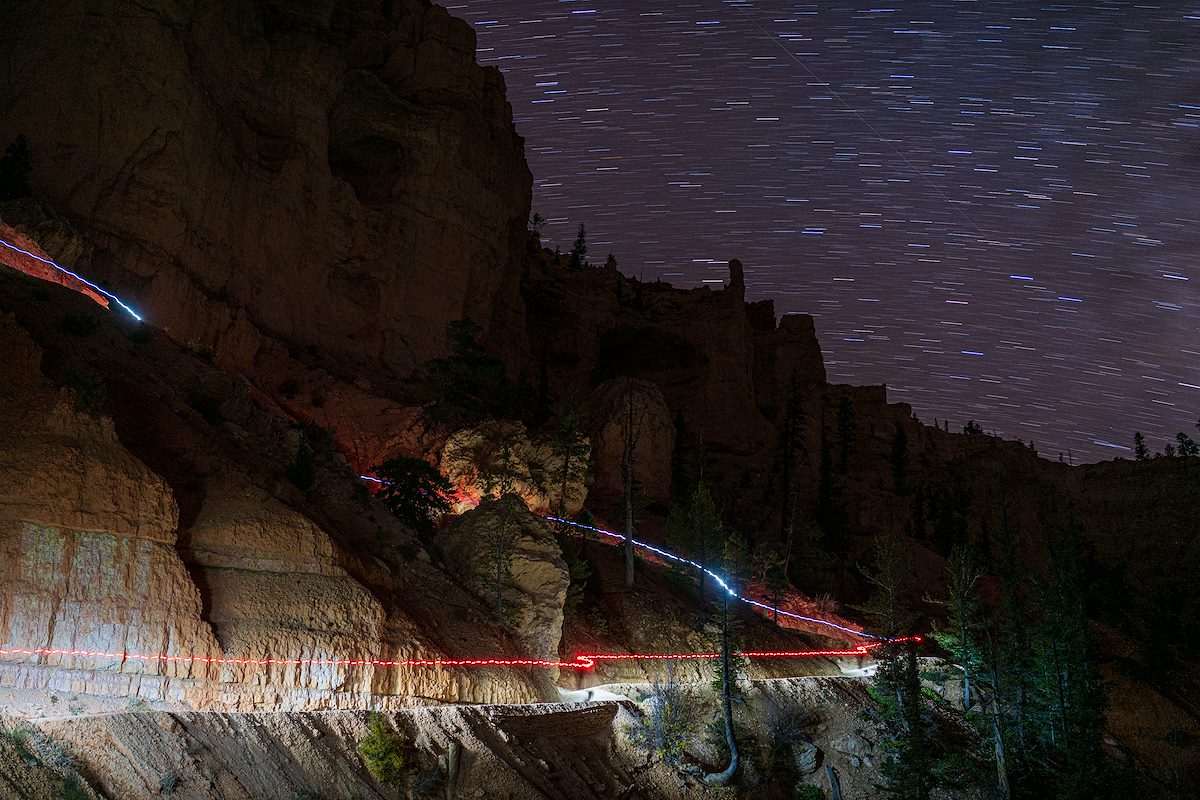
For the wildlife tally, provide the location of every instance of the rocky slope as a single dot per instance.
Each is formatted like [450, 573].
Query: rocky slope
[144, 509]
[547, 751]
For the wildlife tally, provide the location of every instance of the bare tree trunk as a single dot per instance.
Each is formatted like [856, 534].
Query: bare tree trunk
[1001, 764]
[628, 470]
[725, 776]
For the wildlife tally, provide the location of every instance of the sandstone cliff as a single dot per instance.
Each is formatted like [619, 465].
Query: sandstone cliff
[341, 177]
[144, 509]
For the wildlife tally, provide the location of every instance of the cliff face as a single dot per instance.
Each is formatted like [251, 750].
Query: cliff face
[340, 176]
[144, 509]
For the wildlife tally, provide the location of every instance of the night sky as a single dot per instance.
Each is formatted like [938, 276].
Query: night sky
[993, 207]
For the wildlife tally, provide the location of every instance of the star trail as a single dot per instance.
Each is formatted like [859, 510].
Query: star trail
[993, 208]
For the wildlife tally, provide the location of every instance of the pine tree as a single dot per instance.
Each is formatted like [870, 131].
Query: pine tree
[414, 491]
[960, 634]
[571, 451]
[735, 564]
[897, 684]
[499, 480]
[694, 528]
[579, 249]
[1140, 451]
[468, 384]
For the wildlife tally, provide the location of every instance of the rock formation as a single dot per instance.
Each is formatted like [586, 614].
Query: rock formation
[531, 570]
[341, 177]
[653, 437]
[143, 510]
[479, 459]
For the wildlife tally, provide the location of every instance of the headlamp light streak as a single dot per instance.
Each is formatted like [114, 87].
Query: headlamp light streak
[77, 277]
[749, 601]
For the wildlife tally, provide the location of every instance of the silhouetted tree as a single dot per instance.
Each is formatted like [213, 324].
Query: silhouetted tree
[499, 480]
[414, 491]
[896, 684]
[694, 528]
[579, 249]
[468, 384]
[15, 167]
[610, 262]
[1140, 451]
[735, 563]
[959, 634]
[1187, 446]
[571, 450]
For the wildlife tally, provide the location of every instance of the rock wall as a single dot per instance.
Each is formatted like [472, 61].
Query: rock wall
[533, 575]
[144, 510]
[340, 176]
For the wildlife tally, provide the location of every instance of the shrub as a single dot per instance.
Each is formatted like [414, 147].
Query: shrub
[289, 388]
[804, 791]
[382, 750]
[666, 729]
[580, 571]
[72, 789]
[21, 739]
[167, 782]
[300, 471]
[205, 405]
[414, 491]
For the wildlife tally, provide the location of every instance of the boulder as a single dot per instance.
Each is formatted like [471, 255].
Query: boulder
[477, 460]
[805, 755]
[535, 586]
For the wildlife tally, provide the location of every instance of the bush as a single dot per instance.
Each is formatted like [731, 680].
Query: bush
[289, 388]
[167, 782]
[804, 791]
[580, 571]
[382, 750]
[72, 789]
[21, 740]
[415, 492]
[205, 405]
[300, 471]
[666, 729]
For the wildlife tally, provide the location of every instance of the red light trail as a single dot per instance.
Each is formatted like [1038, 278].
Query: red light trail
[582, 662]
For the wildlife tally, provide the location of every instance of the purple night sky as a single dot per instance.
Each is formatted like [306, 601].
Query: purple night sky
[993, 208]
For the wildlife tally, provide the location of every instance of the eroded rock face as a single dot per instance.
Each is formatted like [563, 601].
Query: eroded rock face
[653, 436]
[478, 460]
[340, 176]
[535, 586]
[87, 539]
[167, 537]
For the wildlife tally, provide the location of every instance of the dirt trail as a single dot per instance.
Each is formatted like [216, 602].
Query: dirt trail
[567, 751]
